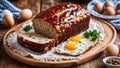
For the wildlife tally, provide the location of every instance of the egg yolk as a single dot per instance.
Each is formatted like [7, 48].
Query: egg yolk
[76, 38]
[71, 46]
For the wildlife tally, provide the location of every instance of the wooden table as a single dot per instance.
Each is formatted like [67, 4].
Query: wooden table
[34, 5]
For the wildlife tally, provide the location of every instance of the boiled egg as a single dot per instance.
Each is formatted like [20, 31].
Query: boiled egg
[118, 6]
[8, 21]
[109, 4]
[109, 11]
[98, 7]
[7, 18]
[118, 12]
[25, 14]
[118, 9]
[111, 50]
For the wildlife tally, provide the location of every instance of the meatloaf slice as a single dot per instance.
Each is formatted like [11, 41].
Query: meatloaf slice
[62, 21]
[35, 42]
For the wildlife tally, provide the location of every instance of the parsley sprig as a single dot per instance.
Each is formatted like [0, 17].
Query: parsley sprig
[27, 28]
[92, 35]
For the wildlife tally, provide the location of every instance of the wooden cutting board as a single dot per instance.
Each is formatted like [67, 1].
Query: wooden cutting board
[89, 55]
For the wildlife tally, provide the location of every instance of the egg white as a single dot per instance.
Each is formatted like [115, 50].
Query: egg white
[81, 47]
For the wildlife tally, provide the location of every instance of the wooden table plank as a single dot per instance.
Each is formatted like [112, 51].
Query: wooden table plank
[8, 62]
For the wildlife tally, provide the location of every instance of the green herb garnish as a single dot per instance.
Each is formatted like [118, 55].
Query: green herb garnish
[27, 28]
[93, 35]
[80, 42]
[30, 35]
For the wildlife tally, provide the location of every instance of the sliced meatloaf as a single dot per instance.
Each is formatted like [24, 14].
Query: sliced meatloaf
[62, 21]
[35, 42]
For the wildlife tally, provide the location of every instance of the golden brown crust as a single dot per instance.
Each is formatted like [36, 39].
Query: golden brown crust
[58, 16]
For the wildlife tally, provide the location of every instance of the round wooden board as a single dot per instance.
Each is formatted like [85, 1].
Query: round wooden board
[92, 53]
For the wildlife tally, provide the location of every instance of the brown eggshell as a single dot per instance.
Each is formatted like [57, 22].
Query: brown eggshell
[8, 21]
[98, 7]
[118, 12]
[111, 50]
[25, 14]
[109, 11]
[118, 7]
[109, 4]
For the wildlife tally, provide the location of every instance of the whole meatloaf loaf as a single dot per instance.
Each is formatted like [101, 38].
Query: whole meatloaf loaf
[62, 21]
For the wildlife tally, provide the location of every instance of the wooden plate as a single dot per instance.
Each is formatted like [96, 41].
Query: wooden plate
[92, 53]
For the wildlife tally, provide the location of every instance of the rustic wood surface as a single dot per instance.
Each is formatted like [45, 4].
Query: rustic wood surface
[34, 5]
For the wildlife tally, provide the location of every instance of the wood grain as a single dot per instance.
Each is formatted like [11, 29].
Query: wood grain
[8, 62]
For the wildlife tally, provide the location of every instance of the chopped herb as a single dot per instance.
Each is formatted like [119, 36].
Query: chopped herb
[27, 28]
[80, 42]
[67, 41]
[78, 52]
[30, 35]
[87, 34]
[39, 41]
[93, 35]
[72, 52]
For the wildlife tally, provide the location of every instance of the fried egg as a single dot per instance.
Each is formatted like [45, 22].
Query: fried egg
[74, 46]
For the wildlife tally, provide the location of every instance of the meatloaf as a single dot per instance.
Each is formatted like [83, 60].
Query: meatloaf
[62, 21]
[35, 42]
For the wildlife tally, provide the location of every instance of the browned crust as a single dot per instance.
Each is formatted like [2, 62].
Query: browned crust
[37, 47]
[67, 29]
[65, 32]
[56, 9]
[76, 28]
[85, 50]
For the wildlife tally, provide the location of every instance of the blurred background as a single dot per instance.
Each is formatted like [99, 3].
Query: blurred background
[22, 4]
